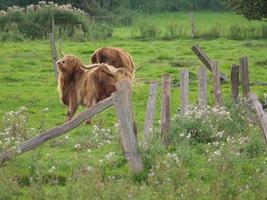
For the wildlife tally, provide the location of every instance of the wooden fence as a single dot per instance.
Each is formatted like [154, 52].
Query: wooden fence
[121, 100]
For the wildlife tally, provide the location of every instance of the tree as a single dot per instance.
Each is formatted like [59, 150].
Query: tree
[251, 9]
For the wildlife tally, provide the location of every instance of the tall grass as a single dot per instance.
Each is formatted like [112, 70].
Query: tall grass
[175, 31]
[209, 25]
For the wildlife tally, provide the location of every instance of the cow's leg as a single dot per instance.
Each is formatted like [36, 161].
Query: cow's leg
[71, 110]
[91, 103]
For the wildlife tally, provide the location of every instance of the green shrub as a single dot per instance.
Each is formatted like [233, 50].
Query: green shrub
[252, 32]
[14, 128]
[255, 147]
[209, 124]
[78, 35]
[123, 17]
[146, 30]
[11, 33]
[235, 32]
[99, 31]
[264, 31]
[213, 33]
[174, 31]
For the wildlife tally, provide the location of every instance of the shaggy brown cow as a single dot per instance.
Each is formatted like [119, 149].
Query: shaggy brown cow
[116, 57]
[86, 85]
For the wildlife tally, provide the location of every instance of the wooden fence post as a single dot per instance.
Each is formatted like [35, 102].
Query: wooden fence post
[216, 84]
[128, 140]
[55, 132]
[53, 53]
[244, 76]
[234, 81]
[148, 127]
[202, 86]
[193, 28]
[184, 82]
[205, 59]
[126, 86]
[53, 27]
[261, 115]
[165, 109]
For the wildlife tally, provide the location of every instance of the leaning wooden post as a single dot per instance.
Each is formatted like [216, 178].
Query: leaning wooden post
[216, 84]
[150, 108]
[261, 115]
[202, 86]
[165, 109]
[53, 53]
[184, 84]
[234, 81]
[55, 132]
[205, 59]
[244, 76]
[128, 140]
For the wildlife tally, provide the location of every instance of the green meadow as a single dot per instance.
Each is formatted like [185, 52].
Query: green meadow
[88, 162]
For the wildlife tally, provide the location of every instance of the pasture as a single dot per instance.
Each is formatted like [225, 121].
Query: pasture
[88, 163]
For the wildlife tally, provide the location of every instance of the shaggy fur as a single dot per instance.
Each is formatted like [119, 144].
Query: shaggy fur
[117, 57]
[86, 85]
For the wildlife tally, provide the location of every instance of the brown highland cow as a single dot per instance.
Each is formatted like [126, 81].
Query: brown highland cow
[86, 85]
[117, 57]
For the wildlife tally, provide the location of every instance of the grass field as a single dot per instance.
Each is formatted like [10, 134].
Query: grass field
[88, 164]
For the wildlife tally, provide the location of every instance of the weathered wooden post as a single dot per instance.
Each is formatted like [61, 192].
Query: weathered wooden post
[216, 84]
[53, 53]
[126, 86]
[202, 86]
[244, 76]
[192, 22]
[234, 81]
[261, 115]
[165, 109]
[148, 127]
[184, 85]
[205, 59]
[122, 102]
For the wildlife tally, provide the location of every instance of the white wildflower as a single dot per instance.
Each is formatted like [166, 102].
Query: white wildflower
[77, 146]
[52, 169]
